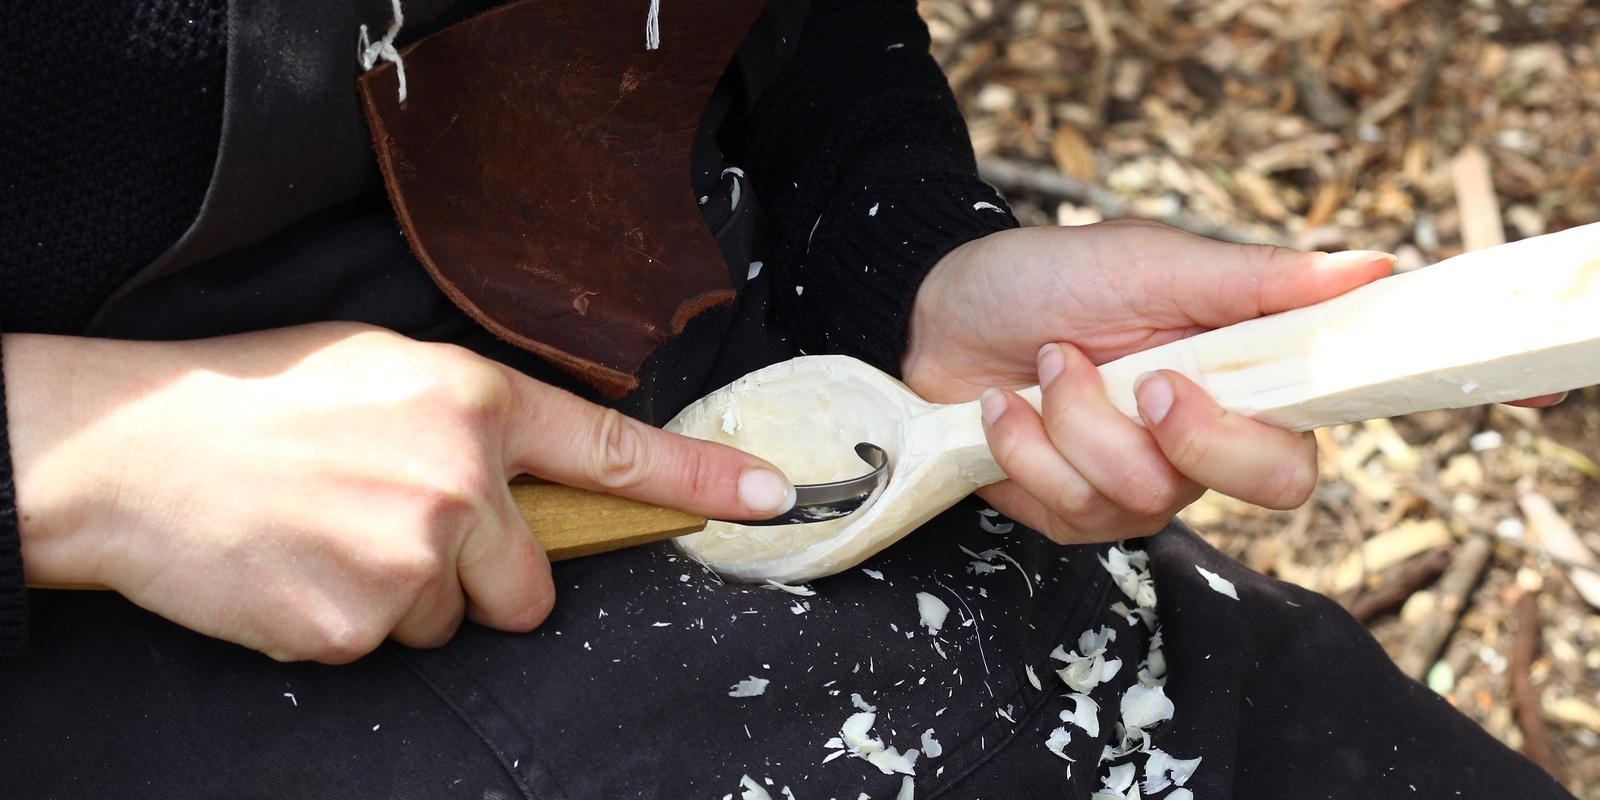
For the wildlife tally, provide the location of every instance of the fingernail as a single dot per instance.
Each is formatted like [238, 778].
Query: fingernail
[1052, 362]
[1344, 257]
[1154, 395]
[764, 491]
[993, 403]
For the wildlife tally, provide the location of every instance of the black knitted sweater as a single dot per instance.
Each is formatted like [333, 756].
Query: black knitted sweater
[112, 114]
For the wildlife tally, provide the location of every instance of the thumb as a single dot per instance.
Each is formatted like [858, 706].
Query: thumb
[558, 436]
[1264, 279]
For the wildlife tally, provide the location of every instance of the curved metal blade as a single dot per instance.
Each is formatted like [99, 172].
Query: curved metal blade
[817, 502]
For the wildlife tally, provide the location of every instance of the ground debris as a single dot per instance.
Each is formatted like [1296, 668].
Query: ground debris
[1422, 129]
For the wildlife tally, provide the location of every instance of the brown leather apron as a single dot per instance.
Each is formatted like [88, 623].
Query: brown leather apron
[540, 167]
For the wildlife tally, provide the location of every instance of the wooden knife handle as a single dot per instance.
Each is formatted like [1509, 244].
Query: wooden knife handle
[575, 522]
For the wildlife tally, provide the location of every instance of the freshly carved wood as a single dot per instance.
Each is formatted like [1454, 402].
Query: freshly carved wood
[1508, 322]
[1503, 323]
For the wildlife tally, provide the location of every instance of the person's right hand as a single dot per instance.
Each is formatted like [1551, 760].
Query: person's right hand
[310, 491]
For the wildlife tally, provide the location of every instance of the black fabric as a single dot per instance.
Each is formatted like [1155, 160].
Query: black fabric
[625, 691]
[870, 179]
[100, 173]
[1301, 700]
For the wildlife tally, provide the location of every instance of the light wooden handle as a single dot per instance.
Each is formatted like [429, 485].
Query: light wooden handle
[574, 522]
[570, 523]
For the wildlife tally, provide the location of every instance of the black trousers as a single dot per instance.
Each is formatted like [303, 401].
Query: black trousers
[628, 691]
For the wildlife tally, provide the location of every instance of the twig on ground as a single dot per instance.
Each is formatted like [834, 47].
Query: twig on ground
[1402, 582]
[1455, 586]
[1012, 176]
[1530, 717]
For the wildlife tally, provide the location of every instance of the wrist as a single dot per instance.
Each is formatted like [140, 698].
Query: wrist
[945, 329]
[62, 464]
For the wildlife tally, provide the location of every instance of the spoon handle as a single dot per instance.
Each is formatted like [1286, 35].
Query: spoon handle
[1503, 323]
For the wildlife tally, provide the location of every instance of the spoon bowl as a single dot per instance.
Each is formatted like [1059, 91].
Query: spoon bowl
[806, 416]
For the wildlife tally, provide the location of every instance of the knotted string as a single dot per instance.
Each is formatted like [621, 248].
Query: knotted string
[384, 49]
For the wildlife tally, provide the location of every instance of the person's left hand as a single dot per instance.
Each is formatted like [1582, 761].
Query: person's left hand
[1046, 305]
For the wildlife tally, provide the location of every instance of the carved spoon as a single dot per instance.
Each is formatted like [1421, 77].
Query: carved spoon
[1507, 322]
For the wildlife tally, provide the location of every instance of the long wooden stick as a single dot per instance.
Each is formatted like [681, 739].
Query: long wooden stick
[1504, 323]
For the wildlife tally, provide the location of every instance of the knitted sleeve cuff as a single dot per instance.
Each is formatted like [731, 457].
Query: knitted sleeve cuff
[872, 248]
[13, 588]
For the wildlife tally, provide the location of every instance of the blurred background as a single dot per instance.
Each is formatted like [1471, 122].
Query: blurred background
[1420, 127]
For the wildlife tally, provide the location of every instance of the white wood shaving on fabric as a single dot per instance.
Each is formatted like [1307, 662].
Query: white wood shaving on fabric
[1162, 770]
[1145, 706]
[995, 527]
[802, 591]
[908, 789]
[1218, 584]
[1087, 667]
[933, 611]
[888, 760]
[752, 790]
[1119, 778]
[750, 687]
[1085, 714]
[1058, 741]
[738, 178]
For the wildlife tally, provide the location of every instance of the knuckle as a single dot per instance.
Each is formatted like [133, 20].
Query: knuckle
[1057, 530]
[339, 639]
[539, 604]
[619, 462]
[1074, 501]
[435, 635]
[412, 571]
[474, 388]
[1289, 485]
[700, 478]
[1146, 495]
[1189, 451]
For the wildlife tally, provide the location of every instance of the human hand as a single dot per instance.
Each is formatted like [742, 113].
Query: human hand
[309, 491]
[1046, 305]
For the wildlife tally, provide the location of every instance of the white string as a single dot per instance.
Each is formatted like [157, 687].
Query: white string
[384, 49]
[652, 27]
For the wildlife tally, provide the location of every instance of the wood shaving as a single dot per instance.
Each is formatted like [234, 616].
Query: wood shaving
[1218, 584]
[750, 687]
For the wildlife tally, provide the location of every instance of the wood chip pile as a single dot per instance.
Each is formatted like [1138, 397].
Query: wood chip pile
[1419, 127]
